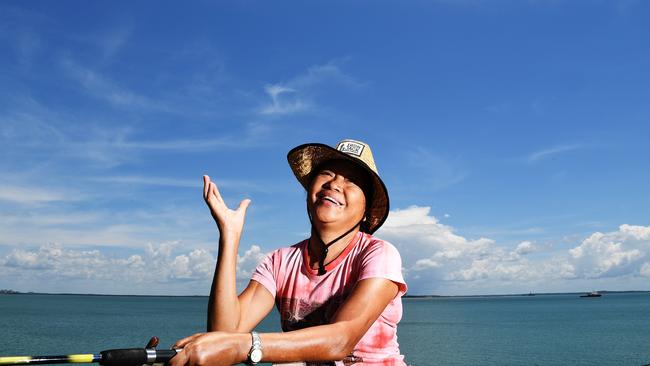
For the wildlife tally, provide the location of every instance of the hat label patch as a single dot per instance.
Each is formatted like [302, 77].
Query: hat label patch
[351, 147]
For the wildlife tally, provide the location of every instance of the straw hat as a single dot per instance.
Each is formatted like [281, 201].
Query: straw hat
[305, 158]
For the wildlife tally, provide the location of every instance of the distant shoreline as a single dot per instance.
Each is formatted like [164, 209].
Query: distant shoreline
[11, 292]
[604, 292]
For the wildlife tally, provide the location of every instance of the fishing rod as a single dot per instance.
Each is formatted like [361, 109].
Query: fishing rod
[112, 357]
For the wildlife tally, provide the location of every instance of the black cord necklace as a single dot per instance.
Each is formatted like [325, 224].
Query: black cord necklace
[321, 261]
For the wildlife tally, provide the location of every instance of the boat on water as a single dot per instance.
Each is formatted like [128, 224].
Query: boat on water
[592, 294]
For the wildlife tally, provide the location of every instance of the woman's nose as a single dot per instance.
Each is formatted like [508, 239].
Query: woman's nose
[335, 183]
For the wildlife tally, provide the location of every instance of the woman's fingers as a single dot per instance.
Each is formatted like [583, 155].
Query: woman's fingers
[179, 360]
[211, 194]
[210, 189]
[224, 216]
[215, 191]
[243, 205]
[181, 343]
[206, 186]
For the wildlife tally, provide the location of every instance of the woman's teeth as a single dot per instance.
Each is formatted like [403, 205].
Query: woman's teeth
[326, 198]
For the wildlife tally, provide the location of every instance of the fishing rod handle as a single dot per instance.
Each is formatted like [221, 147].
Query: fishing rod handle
[135, 356]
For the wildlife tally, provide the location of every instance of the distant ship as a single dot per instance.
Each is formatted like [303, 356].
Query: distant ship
[592, 294]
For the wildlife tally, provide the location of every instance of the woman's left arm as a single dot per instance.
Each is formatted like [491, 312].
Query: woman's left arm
[329, 342]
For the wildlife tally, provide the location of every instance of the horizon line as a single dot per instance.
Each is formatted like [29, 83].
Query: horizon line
[406, 296]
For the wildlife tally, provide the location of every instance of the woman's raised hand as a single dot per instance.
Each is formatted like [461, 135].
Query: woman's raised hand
[229, 221]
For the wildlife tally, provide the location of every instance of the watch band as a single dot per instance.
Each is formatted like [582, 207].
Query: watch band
[255, 353]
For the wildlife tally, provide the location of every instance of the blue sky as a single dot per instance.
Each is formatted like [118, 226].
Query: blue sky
[512, 136]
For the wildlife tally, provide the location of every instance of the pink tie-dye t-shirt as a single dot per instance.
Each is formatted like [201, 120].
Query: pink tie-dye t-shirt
[306, 299]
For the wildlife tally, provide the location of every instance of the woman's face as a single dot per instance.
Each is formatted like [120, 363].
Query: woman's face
[336, 194]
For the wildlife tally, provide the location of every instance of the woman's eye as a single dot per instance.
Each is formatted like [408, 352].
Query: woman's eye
[352, 181]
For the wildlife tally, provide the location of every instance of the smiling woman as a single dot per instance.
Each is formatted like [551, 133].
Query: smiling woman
[337, 197]
[338, 292]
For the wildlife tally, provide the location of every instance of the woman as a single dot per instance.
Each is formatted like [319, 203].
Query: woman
[338, 292]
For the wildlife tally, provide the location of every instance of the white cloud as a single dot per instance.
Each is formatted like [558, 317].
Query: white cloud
[188, 145]
[274, 90]
[198, 264]
[525, 247]
[296, 95]
[196, 184]
[25, 122]
[159, 264]
[35, 195]
[99, 227]
[24, 259]
[47, 137]
[150, 181]
[247, 263]
[611, 254]
[43, 138]
[437, 259]
[645, 270]
[329, 72]
[282, 105]
[546, 153]
[105, 89]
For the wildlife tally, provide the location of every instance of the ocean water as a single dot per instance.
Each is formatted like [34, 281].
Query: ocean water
[528, 330]
[517, 330]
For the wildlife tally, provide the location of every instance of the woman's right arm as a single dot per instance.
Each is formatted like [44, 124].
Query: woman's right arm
[227, 311]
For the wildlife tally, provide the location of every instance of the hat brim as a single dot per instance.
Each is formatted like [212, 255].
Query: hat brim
[305, 158]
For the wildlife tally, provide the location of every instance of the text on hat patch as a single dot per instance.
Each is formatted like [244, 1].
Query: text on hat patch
[351, 147]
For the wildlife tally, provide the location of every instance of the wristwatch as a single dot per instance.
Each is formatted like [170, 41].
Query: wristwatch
[255, 354]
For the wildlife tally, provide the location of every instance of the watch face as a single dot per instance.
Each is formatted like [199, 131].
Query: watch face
[256, 355]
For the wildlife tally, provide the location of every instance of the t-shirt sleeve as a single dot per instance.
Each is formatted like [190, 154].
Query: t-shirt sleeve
[382, 260]
[265, 273]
